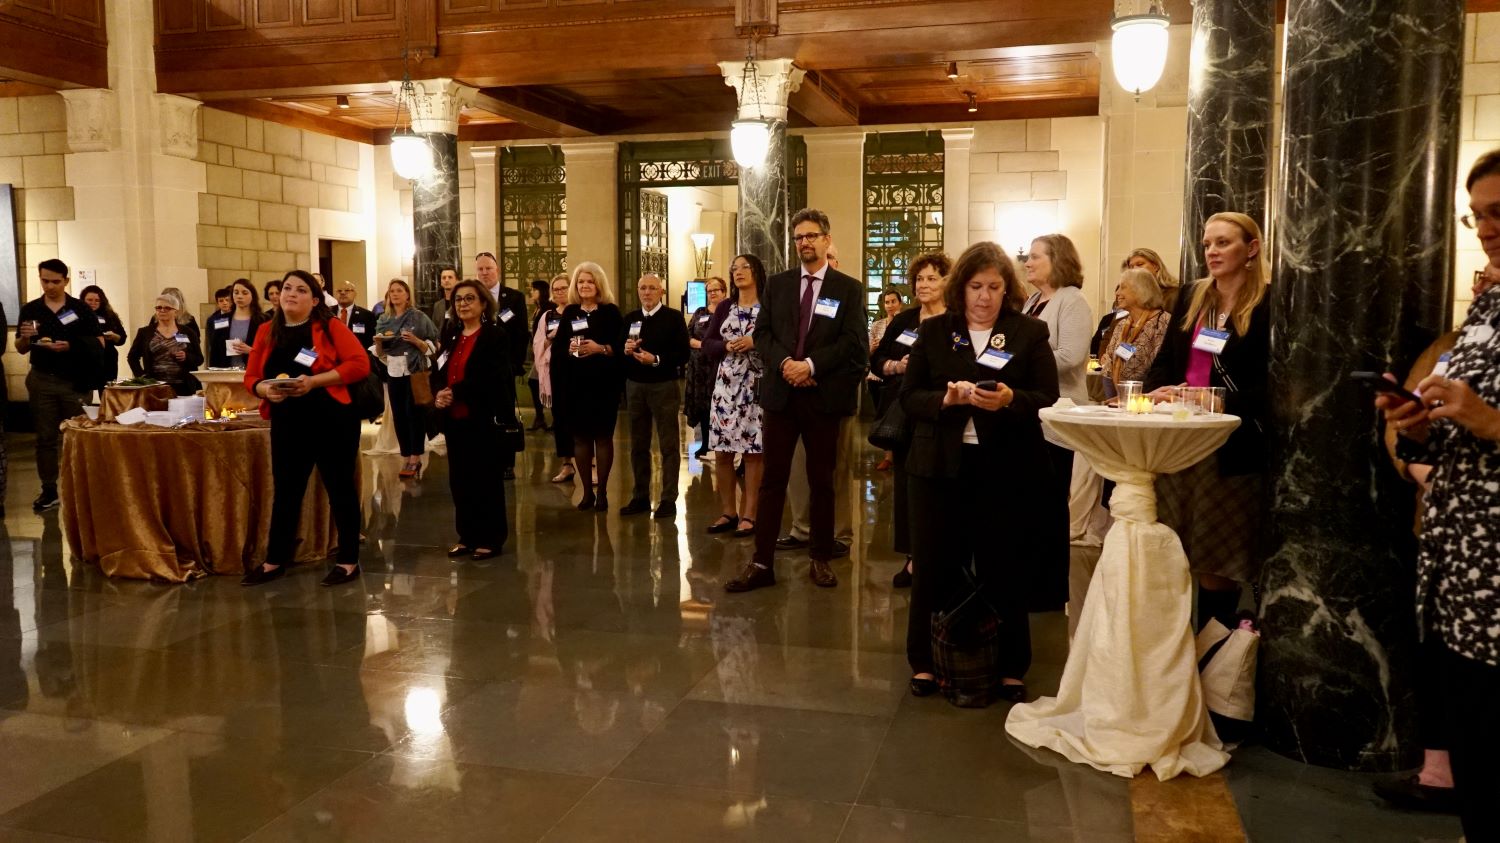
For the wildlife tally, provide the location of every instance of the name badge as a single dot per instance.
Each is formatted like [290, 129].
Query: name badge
[1441, 368]
[67, 317]
[635, 330]
[580, 324]
[552, 326]
[1124, 351]
[101, 319]
[506, 315]
[907, 338]
[183, 338]
[306, 357]
[827, 307]
[1121, 314]
[357, 327]
[702, 319]
[1211, 341]
[218, 324]
[442, 360]
[755, 311]
[992, 359]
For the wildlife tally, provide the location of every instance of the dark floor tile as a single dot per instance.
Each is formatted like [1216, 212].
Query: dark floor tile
[887, 825]
[748, 749]
[39, 753]
[619, 810]
[749, 673]
[285, 634]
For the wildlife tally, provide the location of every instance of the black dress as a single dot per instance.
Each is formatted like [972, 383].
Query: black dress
[699, 390]
[586, 390]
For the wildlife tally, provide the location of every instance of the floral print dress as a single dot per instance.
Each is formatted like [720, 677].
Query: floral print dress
[734, 423]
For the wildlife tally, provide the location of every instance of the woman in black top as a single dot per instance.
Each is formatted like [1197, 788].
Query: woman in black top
[978, 465]
[236, 328]
[111, 330]
[889, 362]
[1220, 335]
[699, 386]
[475, 393]
[273, 297]
[163, 350]
[539, 301]
[587, 378]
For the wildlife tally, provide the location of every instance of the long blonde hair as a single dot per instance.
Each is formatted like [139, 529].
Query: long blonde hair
[601, 283]
[1206, 290]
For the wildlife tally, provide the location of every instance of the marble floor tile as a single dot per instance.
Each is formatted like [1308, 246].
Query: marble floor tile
[749, 673]
[887, 825]
[42, 753]
[620, 810]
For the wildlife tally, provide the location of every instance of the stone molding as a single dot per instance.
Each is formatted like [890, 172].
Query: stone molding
[177, 125]
[93, 119]
[436, 104]
[779, 79]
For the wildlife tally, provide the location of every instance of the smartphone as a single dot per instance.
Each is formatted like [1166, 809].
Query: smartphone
[283, 384]
[987, 386]
[1380, 383]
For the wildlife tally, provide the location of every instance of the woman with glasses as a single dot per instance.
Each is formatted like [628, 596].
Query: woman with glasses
[735, 416]
[404, 338]
[587, 378]
[891, 305]
[163, 349]
[699, 391]
[548, 318]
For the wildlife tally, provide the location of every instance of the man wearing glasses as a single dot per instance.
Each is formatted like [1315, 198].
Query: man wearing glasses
[812, 340]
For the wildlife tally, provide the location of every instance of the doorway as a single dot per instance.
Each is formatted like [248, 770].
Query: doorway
[342, 260]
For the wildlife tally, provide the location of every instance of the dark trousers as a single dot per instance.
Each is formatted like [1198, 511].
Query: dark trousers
[947, 534]
[780, 429]
[535, 388]
[411, 432]
[474, 465]
[654, 405]
[901, 506]
[1433, 727]
[313, 431]
[1469, 691]
[53, 401]
[507, 456]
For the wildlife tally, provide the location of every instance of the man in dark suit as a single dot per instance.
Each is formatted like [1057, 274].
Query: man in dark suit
[815, 348]
[359, 320]
[510, 314]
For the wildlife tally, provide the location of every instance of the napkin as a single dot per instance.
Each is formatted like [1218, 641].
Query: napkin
[134, 415]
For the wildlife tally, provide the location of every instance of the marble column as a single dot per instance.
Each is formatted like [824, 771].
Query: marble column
[763, 212]
[1230, 75]
[1363, 256]
[436, 231]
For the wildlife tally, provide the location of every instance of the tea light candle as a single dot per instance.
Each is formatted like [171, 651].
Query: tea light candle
[1139, 405]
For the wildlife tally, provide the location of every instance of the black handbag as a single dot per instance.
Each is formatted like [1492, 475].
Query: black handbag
[512, 435]
[966, 650]
[890, 431]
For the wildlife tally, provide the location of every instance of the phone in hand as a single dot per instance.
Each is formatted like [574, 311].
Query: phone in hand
[1380, 383]
[283, 384]
[987, 386]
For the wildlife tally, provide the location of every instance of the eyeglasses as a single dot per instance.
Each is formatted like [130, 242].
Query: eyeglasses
[465, 299]
[162, 308]
[806, 238]
[1473, 220]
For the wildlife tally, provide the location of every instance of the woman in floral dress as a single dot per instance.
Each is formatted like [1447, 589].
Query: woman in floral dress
[734, 411]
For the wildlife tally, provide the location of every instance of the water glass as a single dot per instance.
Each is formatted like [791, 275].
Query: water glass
[1211, 399]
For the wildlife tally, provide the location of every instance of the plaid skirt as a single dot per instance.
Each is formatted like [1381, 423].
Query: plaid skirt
[1219, 519]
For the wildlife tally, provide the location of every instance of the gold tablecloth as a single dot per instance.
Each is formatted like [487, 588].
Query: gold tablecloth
[118, 399]
[150, 502]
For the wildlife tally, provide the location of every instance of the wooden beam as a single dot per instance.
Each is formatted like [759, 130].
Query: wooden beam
[1019, 109]
[296, 119]
[823, 103]
[552, 115]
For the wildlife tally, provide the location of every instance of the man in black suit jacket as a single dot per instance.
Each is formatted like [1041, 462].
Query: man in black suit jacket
[510, 314]
[815, 348]
[360, 320]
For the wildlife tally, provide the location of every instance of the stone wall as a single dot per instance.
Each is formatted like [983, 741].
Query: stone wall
[33, 143]
[263, 179]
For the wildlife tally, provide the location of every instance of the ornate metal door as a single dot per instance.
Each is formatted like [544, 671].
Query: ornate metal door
[903, 207]
[533, 214]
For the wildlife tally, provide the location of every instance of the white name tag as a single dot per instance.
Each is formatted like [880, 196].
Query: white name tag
[580, 324]
[1124, 351]
[702, 319]
[827, 307]
[306, 357]
[552, 326]
[992, 359]
[442, 360]
[506, 315]
[635, 329]
[218, 324]
[1441, 367]
[67, 317]
[1211, 341]
[182, 338]
[755, 311]
[1474, 334]
[357, 327]
[907, 338]
[101, 319]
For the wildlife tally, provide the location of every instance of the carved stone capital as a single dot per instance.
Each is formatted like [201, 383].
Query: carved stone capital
[177, 125]
[436, 103]
[93, 119]
[763, 95]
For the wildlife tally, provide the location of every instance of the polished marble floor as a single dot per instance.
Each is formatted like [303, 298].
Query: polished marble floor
[595, 683]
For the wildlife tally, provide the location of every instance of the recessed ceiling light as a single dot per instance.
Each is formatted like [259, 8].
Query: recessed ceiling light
[952, 70]
[973, 102]
[343, 101]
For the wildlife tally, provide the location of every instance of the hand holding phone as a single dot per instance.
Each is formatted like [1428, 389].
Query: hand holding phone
[987, 386]
[1382, 384]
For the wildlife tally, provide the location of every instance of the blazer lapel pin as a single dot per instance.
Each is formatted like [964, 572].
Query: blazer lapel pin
[997, 342]
[959, 341]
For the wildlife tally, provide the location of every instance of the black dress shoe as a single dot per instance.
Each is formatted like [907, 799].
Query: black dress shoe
[903, 576]
[459, 550]
[751, 578]
[821, 574]
[338, 576]
[601, 504]
[1013, 693]
[261, 575]
[481, 555]
[840, 549]
[1407, 791]
[923, 687]
[790, 542]
[724, 524]
[635, 507]
[45, 501]
[666, 510]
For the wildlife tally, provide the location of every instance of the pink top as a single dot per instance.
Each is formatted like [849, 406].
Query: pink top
[1200, 363]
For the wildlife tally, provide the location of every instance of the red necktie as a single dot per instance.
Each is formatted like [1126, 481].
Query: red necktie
[804, 316]
[346, 316]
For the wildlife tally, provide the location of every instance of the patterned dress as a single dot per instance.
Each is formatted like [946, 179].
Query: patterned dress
[734, 425]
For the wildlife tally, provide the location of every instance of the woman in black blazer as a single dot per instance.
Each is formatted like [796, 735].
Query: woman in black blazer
[111, 329]
[165, 351]
[1218, 506]
[475, 392]
[990, 442]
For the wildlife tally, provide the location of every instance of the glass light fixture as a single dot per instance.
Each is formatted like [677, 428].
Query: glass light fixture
[1139, 49]
[750, 140]
[411, 156]
[703, 242]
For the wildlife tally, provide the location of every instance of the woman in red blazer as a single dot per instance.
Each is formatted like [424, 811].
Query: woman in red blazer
[301, 360]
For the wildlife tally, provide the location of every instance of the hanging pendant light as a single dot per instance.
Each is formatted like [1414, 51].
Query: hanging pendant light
[411, 156]
[1139, 49]
[750, 136]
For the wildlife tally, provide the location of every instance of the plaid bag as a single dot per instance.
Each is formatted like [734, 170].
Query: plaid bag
[966, 650]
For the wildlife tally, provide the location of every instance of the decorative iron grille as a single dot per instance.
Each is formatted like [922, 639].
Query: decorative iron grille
[655, 245]
[903, 208]
[533, 214]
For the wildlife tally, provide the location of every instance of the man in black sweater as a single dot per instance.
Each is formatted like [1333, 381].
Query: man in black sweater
[656, 347]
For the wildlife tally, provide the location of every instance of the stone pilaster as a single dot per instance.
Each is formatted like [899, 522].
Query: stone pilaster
[956, 143]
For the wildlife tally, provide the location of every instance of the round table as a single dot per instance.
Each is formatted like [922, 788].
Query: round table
[1130, 694]
[117, 399]
[147, 502]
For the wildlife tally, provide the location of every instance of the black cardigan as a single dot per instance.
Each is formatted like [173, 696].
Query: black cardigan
[216, 337]
[140, 353]
[1244, 372]
[488, 387]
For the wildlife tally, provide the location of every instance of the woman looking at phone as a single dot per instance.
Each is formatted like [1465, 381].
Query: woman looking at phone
[974, 380]
[299, 366]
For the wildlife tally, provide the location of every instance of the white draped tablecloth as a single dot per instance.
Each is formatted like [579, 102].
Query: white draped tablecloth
[1130, 694]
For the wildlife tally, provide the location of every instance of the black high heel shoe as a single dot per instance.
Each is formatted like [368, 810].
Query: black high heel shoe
[588, 500]
[923, 687]
[1013, 693]
[902, 579]
[602, 503]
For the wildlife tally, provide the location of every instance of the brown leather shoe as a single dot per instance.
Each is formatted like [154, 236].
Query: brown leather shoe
[822, 574]
[751, 578]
